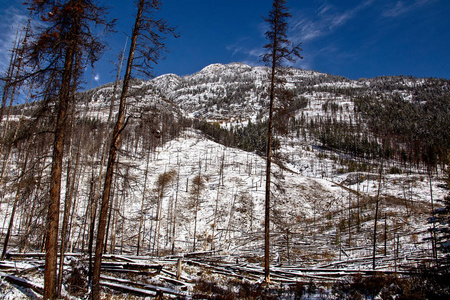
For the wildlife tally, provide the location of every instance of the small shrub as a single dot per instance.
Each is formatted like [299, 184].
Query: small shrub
[297, 290]
[429, 283]
[76, 282]
[312, 288]
[395, 170]
[359, 287]
[210, 290]
[239, 289]
[341, 171]
[425, 284]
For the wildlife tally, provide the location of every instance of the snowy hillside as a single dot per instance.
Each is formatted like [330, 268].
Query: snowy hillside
[180, 188]
[311, 182]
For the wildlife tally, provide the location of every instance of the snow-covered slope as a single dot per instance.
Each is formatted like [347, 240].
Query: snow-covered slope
[310, 182]
[313, 205]
[318, 203]
[228, 92]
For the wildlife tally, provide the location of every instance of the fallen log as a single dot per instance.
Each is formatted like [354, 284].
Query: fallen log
[174, 281]
[131, 266]
[119, 257]
[239, 271]
[19, 267]
[145, 286]
[187, 280]
[10, 255]
[128, 289]
[22, 282]
[29, 270]
[136, 272]
[200, 253]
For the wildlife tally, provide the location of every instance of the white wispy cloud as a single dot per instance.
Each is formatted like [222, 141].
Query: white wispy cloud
[323, 9]
[400, 8]
[304, 28]
[11, 20]
[250, 56]
[247, 54]
[325, 21]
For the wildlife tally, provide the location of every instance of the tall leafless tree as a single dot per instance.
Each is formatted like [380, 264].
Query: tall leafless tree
[377, 203]
[198, 185]
[147, 46]
[66, 32]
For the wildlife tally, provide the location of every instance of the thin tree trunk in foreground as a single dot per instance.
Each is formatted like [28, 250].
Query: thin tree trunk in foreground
[268, 167]
[112, 159]
[16, 200]
[376, 218]
[51, 241]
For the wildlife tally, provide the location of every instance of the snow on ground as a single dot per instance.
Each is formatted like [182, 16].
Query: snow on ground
[242, 189]
[304, 194]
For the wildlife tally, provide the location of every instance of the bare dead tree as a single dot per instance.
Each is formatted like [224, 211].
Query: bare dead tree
[66, 32]
[16, 200]
[147, 41]
[161, 185]
[198, 185]
[217, 201]
[8, 78]
[377, 201]
[175, 206]
[12, 83]
[144, 192]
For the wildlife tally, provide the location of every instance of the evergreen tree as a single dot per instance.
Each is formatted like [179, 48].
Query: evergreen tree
[279, 49]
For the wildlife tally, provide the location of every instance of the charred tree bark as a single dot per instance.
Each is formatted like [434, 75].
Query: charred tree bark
[112, 158]
[376, 218]
[141, 217]
[51, 245]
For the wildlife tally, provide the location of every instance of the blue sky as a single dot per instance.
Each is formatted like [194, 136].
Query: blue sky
[354, 39]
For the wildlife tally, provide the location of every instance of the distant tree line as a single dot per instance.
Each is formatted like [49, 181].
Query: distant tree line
[412, 131]
[386, 125]
[251, 138]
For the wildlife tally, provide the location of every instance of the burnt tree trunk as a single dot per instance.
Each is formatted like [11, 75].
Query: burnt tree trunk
[112, 158]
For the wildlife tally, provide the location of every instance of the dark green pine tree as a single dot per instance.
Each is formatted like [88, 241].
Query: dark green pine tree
[279, 50]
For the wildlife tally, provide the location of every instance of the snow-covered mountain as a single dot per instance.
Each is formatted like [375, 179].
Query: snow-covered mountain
[238, 91]
[312, 183]
[323, 195]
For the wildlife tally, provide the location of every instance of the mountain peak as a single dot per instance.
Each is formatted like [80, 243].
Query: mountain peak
[218, 67]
